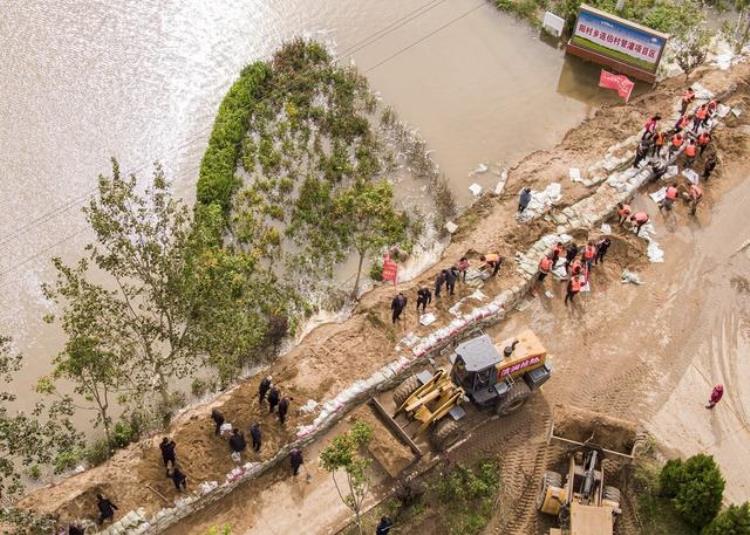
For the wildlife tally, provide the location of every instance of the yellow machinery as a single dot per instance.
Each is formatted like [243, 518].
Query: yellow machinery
[583, 503]
[502, 379]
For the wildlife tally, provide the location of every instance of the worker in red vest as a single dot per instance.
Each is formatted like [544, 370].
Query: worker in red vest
[691, 152]
[639, 219]
[623, 212]
[677, 141]
[703, 140]
[649, 128]
[574, 286]
[669, 197]
[716, 394]
[695, 194]
[557, 251]
[545, 266]
[701, 116]
[575, 268]
[687, 98]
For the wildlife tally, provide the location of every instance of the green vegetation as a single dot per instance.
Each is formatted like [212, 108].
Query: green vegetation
[735, 520]
[346, 453]
[523, 9]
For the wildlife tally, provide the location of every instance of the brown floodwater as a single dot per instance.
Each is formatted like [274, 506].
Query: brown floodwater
[83, 81]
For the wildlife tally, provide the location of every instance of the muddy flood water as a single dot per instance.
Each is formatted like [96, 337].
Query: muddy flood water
[142, 81]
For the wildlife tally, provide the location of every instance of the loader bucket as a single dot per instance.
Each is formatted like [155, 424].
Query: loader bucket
[580, 427]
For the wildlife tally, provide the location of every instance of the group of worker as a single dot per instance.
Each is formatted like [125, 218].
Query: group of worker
[447, 278]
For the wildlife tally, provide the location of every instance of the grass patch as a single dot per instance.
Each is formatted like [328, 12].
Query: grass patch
[528, 10]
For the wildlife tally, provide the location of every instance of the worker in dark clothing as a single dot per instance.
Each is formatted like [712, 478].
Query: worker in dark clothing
[424, 298]
[709, 167]
[384, 527]
[167, 451]
[601, 249]
[283, 409]
[439, 281]
[106, 508]
[237, 441]
[218, 419]
[256, 435]
[179, 479]
[524, 199]
[273, 398]
[641, 152]
[570, 254]
[397, 306]
[450, 281]
[296, 459]
[263, 388]
[76, 529]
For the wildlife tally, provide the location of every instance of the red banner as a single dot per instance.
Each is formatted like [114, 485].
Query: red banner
[619, 82]
[390, 269]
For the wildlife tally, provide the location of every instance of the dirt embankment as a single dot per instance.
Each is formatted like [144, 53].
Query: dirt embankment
[333, 356]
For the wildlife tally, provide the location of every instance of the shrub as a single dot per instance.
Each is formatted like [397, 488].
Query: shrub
[97, 452]
[670, 478]
[732, 521]
[376, 271]
[699, 488]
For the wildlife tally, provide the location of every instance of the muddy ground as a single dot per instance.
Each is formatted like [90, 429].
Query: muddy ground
[622, 349]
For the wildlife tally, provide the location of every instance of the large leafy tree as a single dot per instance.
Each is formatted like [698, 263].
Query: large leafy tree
[27, 439]
[696, 487]
[734, 520]
[170, 297]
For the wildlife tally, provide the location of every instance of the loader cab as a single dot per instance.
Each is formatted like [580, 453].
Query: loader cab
[475, 369]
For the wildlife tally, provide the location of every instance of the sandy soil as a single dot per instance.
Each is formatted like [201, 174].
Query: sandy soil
[622, 348]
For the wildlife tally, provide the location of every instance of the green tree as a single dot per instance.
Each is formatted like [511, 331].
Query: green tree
[371, 222]
[697, 486]
[345, 453]
[738, 33]
[735, 520]
[692, 49]
[37, 438]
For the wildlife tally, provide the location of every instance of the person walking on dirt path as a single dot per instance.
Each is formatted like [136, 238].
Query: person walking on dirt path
[677, 140]
[623, 212]
[284, 409]
[296, 460]
[557, 251]
[450, 281]
[263, 388]
[574, 286]
[703, 141]
[709, 167]
[106, 508]
[257, 436]
[691, 152]
[178, 478]
[168, 454]
[589, 255]
[641, 152]
[687, 99]
[669, 197]
[524, 199]
[570, 254]
[218, 419]
[601, 249]
[237, 445]
[463, 266]
[397, 306]
[439, 282]
[274, 396]
[492, 260]
[384, 526]
[639, 219]
[716, 394]
[424, 298]
[649, 128]
[545, 266]
[695, 194]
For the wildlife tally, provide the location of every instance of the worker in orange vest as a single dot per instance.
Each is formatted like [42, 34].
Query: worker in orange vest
[682, 123]
[687, 98]
[623, 212]
[574, 286]
[669, 197]
[639, 219]
[659, 141]
[701, 117]
[575, 268]
[557, 251]
[696, 194]
[691, 152]
[545, 266]
[703, 140]
[677, 141]
[589, 254]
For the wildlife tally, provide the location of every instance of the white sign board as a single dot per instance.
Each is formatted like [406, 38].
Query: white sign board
[553, 24]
